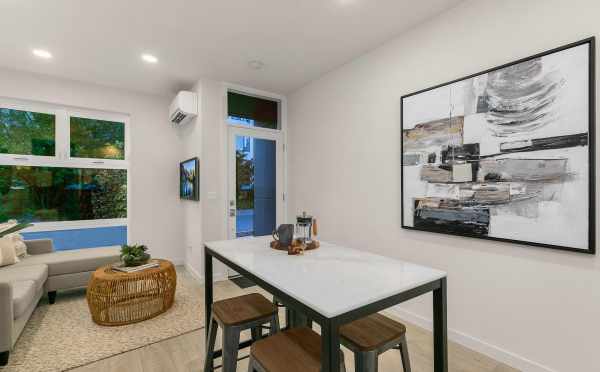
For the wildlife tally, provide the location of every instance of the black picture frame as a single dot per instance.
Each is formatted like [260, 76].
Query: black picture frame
[591, 41]
[195, 183]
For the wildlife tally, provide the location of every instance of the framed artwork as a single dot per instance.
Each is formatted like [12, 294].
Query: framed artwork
[189, 182]
[506, 154]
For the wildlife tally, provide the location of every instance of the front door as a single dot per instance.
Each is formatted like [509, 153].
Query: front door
[255, 182]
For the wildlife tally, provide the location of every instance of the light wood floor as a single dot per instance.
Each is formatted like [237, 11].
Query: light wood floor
[185, 353]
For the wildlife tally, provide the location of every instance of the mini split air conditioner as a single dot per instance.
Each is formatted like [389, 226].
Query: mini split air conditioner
[184, 108]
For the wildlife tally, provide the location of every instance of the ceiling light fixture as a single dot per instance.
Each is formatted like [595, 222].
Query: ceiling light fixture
[149, 58]
[256, 64]
[41, 53]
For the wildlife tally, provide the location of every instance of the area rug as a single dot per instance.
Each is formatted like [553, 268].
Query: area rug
[63, 336]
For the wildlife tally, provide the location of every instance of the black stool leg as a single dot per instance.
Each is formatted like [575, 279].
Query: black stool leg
[51, 297]
[231, 345]
[274, 325]
[287, 311]
[254, 366]
[297, 319]
[256, 333]
[366, 361]
[403, 346]
[210, 346]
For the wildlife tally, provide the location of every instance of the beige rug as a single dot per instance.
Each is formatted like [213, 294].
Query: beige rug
[63, 336]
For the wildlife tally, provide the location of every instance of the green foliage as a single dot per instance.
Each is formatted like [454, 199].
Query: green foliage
[110, 200]
[100, 139]
[26, 133]
[244, 176]
[35, 194]
[134, 255]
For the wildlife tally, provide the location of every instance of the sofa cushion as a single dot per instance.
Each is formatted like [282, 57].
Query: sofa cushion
[23, 295]
[73, 261]
[14, 273]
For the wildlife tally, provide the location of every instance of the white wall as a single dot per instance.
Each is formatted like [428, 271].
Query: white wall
[205, 138]
[537, 309]
[155, 213]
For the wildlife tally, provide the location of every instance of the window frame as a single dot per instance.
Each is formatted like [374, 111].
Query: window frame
[62, 157]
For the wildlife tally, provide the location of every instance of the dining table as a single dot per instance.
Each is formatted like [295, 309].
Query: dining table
[332, 285]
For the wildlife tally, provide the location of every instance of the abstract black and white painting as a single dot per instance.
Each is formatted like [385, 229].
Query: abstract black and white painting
[506, 154]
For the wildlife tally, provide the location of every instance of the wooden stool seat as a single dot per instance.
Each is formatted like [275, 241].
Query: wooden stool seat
[243, 309]
[234, 315]
[372, 332]
[294, 350]
[372, 335]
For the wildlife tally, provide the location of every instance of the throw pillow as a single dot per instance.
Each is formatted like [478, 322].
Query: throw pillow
[20, 247]
[7, 252]
[7, 225]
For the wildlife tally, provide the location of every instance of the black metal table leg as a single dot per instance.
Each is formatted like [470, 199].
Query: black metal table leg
[440, 328]
[208, 289]
[330, 346]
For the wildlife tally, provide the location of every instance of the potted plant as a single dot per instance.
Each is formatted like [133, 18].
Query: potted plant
[134, 255]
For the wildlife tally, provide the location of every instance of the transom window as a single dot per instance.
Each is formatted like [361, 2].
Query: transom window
[99, 139]
[252, 111]
[27, 132]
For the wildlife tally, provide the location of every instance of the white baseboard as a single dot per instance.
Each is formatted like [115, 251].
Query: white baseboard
[200, 278]
[178, 262]
[473, 343]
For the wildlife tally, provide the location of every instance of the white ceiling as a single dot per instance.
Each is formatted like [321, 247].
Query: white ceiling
[100, 41]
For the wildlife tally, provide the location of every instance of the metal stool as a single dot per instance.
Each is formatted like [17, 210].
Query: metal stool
[235, 315]
[293, 318]
[373, 335]
[293, 350]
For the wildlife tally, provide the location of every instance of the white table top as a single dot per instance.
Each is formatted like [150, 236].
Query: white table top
[332, 279]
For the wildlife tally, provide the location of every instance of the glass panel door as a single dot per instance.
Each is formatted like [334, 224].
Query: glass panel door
[255, 183]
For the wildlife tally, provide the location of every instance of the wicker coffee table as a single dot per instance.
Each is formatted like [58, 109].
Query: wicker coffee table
[117, 298]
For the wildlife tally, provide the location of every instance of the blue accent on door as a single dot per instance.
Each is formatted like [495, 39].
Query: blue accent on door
[82, 238]
[265, 205]
[244, 222]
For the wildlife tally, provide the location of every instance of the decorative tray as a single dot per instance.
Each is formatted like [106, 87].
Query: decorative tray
[296, 247]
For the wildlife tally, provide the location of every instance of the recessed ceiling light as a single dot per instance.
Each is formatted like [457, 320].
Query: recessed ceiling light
[149, 58]
[42, 53]
[256, 64]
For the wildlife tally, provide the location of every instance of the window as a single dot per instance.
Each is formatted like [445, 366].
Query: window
[42, 194]
[100, 139]
[251, 111]
[65, 171]
[27, 132]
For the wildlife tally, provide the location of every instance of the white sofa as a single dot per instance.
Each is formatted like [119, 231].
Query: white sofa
[44, 270]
